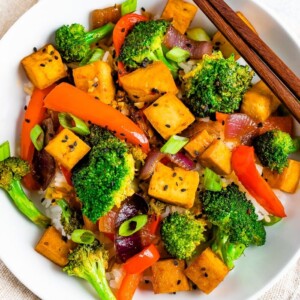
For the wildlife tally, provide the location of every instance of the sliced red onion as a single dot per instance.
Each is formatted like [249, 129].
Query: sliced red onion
[152, 159]
[181, 160]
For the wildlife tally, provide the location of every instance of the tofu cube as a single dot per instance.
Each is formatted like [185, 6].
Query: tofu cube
[175, 186]
[217, 157]
[199, 143]
[207, 271]
[168, 115]
[259, 102]
[221, 43]
[96, 79]
[54, 247]
[169, 277]
[67, 148]
[181, 13]
[288, 180]
[144, 84]
[44, 67]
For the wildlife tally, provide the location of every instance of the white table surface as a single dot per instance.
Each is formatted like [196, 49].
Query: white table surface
[288, 285]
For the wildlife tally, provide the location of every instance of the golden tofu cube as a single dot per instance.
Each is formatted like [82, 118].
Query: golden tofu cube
[44, 67]
[96, 79]
[259, 102]
[288, 180]
[207, 271]
[199, 143]
[169, 277]
[174, 186]
[54, 247]
[148, 84]
[168, 115]
[221, 43]
[217, 157]
[181, 13]
[67, 148]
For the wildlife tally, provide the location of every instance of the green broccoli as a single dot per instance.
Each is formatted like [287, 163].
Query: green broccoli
[216, 85]
[144, 45]
[70, 219]
[102, 179]
[273, 148]
[74, 43]
[12, 170]
[89, 261]
[235, 223]
[181, 234]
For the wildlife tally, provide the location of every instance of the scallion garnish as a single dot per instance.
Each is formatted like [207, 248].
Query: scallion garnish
[4, 150]
[82, 236]
[128, 7]
[211, 181]
[197, 34]
[270, 220]
[178, 55]
[73, 123]
[94, 56]
[133, 225]
[37, 137]
[174, 144]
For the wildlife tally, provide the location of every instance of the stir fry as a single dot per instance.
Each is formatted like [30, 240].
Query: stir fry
[154, 149]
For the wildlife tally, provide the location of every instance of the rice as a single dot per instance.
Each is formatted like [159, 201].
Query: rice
[115, 276]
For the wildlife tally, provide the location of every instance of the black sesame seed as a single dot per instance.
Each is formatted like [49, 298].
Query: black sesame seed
[175, 262]
[178, 282]
[27, 120]
[155, 104]
[123, 30]
[143, 9]
[56, 57]
[155, 91]
[174, 174]
[260, 124]
[35, 49]
[25, 107]
[42, 65]
[165, 187]
[168, 125]
[182, 190]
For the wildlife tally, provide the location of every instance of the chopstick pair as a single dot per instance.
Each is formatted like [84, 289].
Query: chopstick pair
[268, 66]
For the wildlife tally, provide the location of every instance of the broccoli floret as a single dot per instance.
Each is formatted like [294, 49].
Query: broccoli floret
[89, 261]
[12, 170]
[70, 218]
[216, 85]
[144, 45]
[273, 148]
[102, 179]
[181, 234]
[74, 43]
[235, 222]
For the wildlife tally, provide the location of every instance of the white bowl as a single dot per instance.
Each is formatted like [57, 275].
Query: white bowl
[253, 273]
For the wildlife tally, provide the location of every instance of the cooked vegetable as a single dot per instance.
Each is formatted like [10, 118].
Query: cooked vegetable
[273, 148]
[197, 34]
[85, 107]
[128, 286]
[12, 170]
[177, 54]
[4, 150]
[73, 123]
[235, 222]
[83, 236]
[211, 181]
[216, 84]
[89, 262]
[243, 165]
[95, 55]
[142, 260]
[102, 179]
[174, 144]
[133, 225]
[128, 6]
[100, 17]
[181, 234]
[37, 137]
[74, 43]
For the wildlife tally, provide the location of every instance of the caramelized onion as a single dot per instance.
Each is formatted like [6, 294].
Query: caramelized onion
[181, 160]
[152, 159]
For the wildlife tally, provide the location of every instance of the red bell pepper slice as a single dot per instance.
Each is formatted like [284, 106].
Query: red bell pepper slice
[243, 164]
[142, 260]
[34, 114]
[123, 26]
[128, 286]
[67, 98]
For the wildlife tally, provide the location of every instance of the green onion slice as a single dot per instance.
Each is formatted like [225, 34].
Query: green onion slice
[133, 225]
[211, 181]
[270, 220]
[37, 137]
[73, 123]
[178, 55]
[174, 144]
[197, 34]
[4, 150]
[82, 236]
[94, 56]
[128, 7]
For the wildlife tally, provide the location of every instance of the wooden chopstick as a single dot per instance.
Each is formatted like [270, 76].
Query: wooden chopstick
[280, 79]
